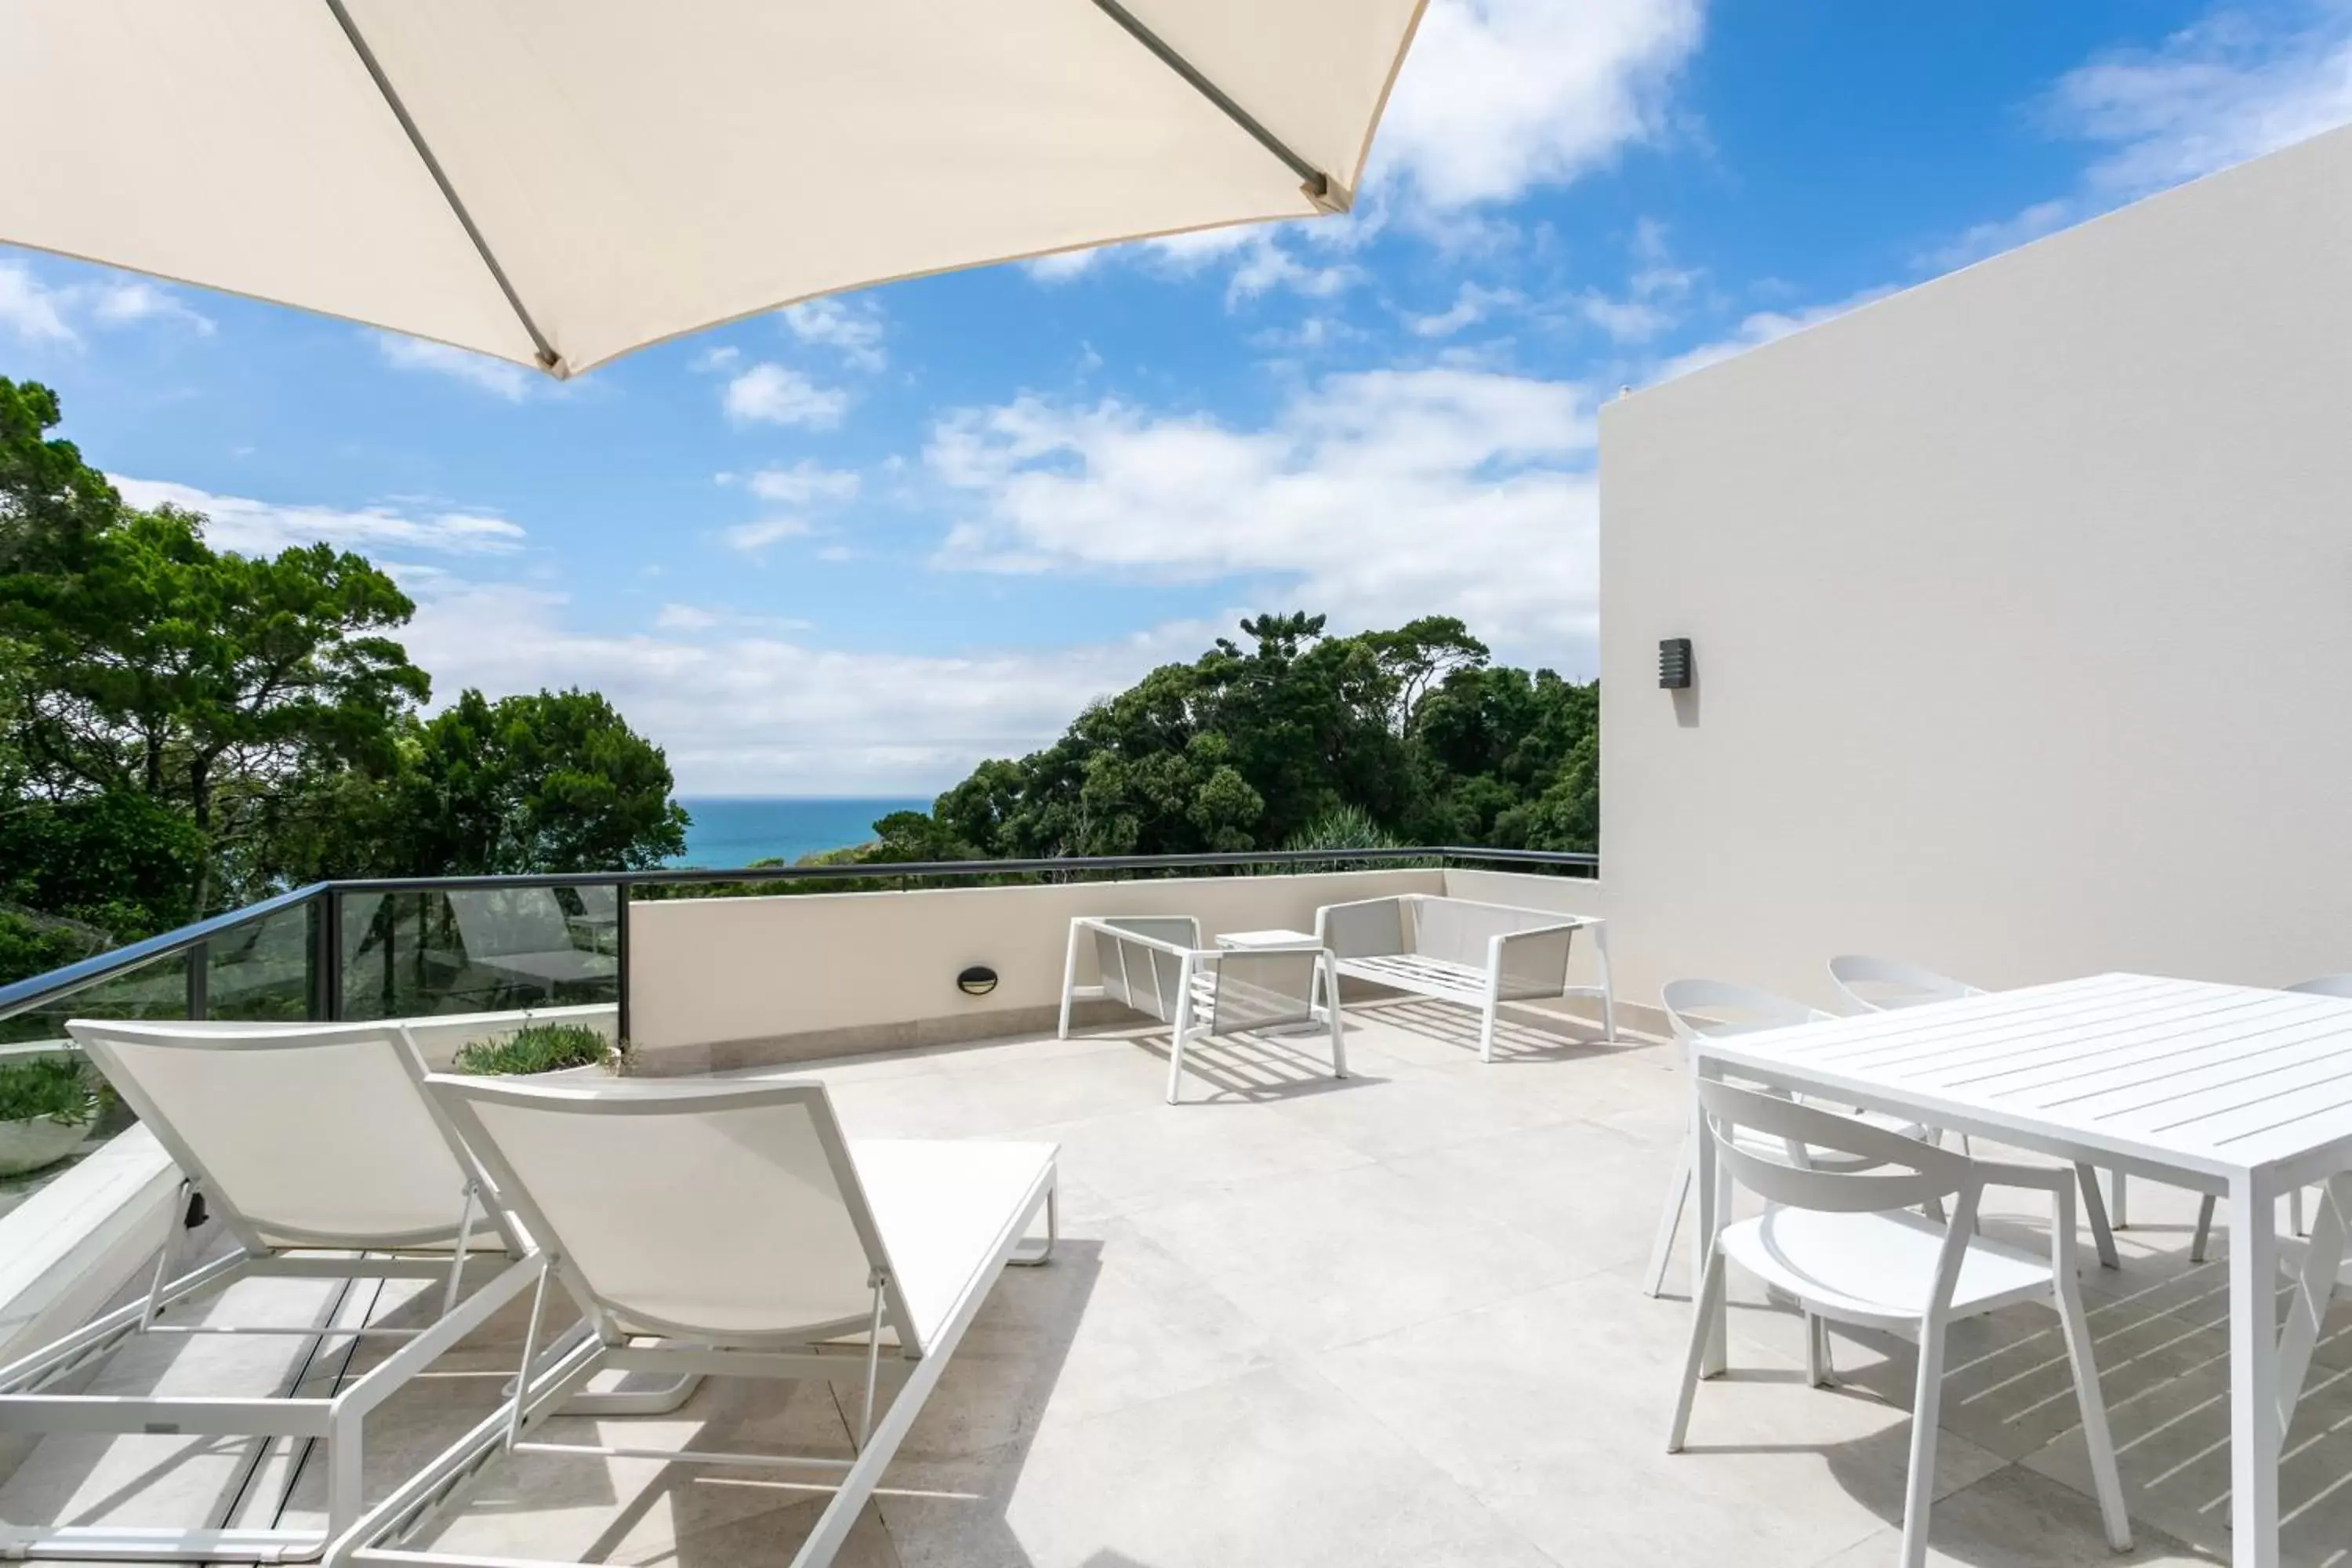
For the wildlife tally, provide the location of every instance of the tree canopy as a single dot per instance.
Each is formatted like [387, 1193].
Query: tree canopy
[184, 728]
[1259, 744]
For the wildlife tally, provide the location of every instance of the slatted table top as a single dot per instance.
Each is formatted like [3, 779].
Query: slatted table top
[2181, 1074]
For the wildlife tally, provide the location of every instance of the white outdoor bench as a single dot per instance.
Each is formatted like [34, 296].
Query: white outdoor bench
[1458, 951]
[1156, 965]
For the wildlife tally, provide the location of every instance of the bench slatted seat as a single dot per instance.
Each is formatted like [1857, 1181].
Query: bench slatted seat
[1457, 950]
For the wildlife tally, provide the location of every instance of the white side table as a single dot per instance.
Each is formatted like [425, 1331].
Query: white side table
[1277, 937]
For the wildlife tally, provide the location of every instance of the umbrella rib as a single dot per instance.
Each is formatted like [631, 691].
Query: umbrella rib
[548, 358]
[1320, 187]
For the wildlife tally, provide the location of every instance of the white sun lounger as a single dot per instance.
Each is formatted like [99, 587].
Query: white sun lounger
[729, 1229]
[320, 1156]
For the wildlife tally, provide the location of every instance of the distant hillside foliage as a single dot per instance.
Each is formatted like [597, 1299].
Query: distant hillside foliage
[1413, 734]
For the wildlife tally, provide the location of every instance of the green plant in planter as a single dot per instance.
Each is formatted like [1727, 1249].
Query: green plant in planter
[539, 1047]
[47, 1105]
[50, 1089]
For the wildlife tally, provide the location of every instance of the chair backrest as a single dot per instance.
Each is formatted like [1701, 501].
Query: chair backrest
[1711, 1007]
[494, 922]
[316, 1135]
[2325, 985]
[1141, 959]
[1882, 985]
[1262, 988]
[1370, 928]
[1848, 1166]
[1457, 931]
[718, 1211]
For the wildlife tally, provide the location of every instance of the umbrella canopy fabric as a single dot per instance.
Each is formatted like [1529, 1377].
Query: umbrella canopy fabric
[558, 182]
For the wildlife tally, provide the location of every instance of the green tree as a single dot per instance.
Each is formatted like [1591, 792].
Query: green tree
[1409, 733]
[554, 780]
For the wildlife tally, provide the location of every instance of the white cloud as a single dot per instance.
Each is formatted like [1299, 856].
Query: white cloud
[678, 617]
[1375, 497]
[1063, 265]
[121, 304]
[264, 528]
[717, 358]
[500, 377]
[1657, 291]
[41, 313]
[755, 713]
[2238, 84]
[769, 394]
[803, 482]
[1499, 96]
[1471, 305]
[1758, 329]
[853, 327]
[1990, 238]
[28, 309]
[751, 538]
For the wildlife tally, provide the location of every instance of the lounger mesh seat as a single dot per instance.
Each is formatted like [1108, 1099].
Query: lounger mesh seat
[315, 1150]
[729, 1229]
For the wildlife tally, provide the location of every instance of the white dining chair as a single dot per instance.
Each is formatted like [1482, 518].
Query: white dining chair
[1887, 985]
[1883, 985]
[1696, 1008]
[1846, 1243]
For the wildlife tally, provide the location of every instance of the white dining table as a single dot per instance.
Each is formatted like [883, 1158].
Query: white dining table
[2228, 1090]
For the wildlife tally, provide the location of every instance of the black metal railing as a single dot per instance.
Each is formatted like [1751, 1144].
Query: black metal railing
[352, 949]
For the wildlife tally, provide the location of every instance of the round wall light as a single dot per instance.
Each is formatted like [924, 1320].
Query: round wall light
[977, 981]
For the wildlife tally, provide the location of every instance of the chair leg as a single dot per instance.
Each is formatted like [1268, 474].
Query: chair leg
[1926, 1411]
[2204, 1228]
[2295, 1211]
[1702, 1318]
[2122, 1202]
[2096, 1438]
[1661, 1252]
[2095, 1211]
[1486, 1032]
[1819, 1372]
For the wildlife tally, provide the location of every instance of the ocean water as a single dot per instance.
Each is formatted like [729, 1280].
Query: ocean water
[737, 830]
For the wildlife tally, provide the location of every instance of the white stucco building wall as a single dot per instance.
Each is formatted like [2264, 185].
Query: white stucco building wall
[2021, 607]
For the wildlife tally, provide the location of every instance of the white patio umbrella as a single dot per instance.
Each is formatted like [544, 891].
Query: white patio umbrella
[558, 182]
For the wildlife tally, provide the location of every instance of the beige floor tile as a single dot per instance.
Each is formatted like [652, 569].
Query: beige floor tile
[2015, 1518]
[1158, 1155]
[1318, 1260]
[1408, 1114]
[1590, 1191]
[1268, 1467]
[2173, 1448]
[1553, 1409]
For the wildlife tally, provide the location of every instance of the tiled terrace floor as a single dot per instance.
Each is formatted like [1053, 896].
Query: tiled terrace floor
[1392, 1321]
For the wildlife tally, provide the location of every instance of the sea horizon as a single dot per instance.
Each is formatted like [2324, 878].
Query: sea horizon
[729, 830]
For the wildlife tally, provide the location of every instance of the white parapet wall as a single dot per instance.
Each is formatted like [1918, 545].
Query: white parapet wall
[2021, 612]
[718, 983]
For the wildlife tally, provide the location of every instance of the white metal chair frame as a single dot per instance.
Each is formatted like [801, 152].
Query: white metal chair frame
[1916, 987]
[1888, 1174]
[1382, 942]
[265, 1248]
[1156, 965]
[1685, 1003]
[625, 1340]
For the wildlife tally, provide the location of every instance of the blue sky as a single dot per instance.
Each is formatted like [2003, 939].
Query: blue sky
[856, 546]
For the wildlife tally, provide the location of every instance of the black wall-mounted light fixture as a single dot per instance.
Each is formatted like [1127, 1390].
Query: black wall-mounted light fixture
[977, 981]
[1675, 664]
